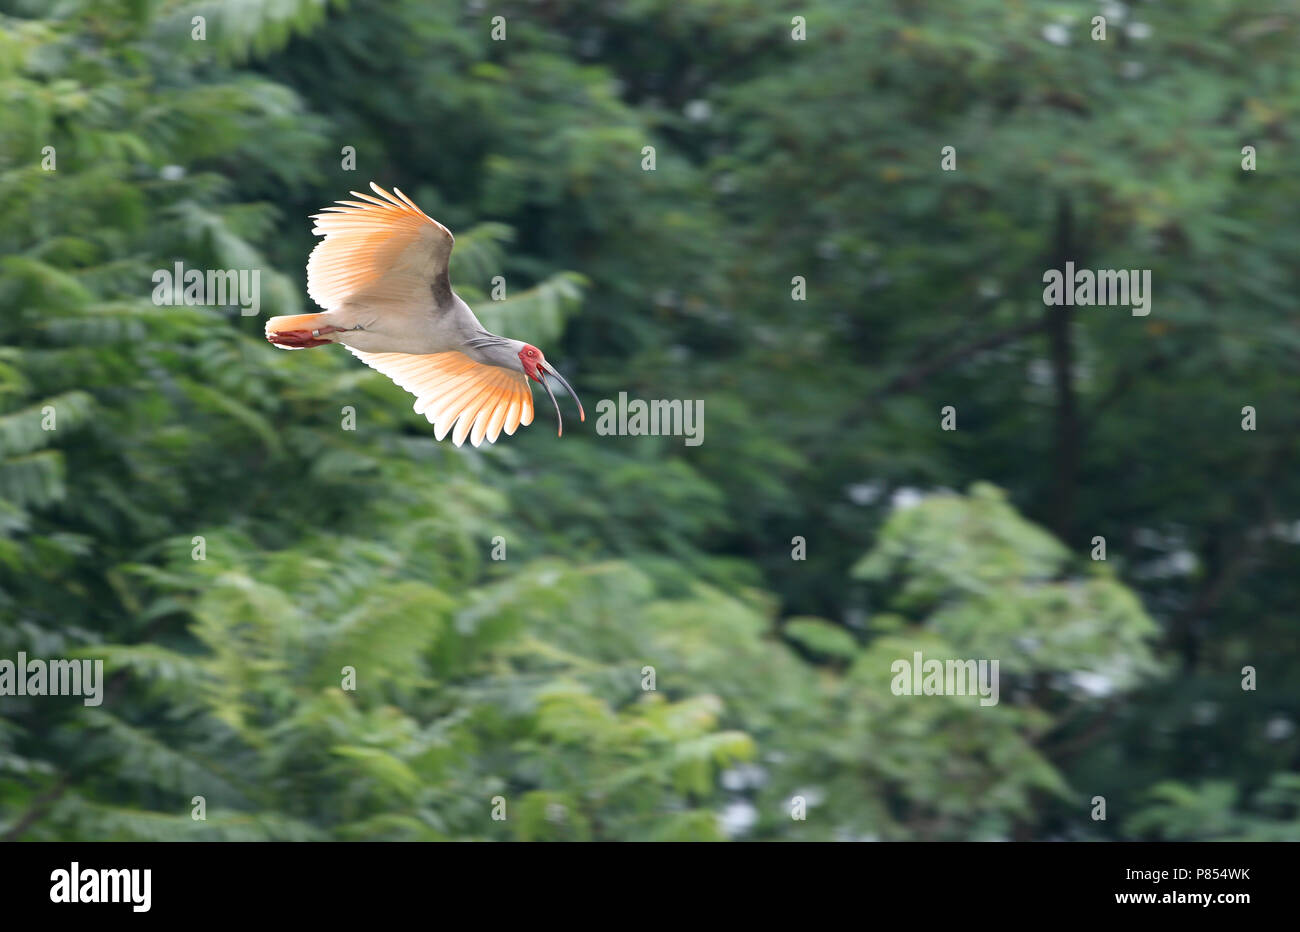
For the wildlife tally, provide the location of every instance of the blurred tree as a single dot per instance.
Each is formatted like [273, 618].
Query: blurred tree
[127, 145]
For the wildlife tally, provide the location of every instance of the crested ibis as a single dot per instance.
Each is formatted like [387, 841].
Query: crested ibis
[381, 274]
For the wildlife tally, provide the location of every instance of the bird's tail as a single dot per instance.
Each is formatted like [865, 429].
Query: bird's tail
[297, 331]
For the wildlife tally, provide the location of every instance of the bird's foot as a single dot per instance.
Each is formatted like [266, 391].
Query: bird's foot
[299, 339]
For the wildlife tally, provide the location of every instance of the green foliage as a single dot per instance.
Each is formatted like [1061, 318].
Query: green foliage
[307, 625]
[1006, 596]
[1178, 812]
[240, 29]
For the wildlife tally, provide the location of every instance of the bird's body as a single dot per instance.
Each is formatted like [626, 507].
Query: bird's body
[373, 325]
[381, 273]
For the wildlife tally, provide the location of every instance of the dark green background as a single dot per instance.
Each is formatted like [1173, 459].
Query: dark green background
[775, 158]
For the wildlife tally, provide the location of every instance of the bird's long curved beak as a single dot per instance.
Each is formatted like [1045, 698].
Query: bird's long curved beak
[547, 369]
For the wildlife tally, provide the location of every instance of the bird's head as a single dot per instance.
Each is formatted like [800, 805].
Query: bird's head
[537, 368]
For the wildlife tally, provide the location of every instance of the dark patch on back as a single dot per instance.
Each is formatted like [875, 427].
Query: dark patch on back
[441, 289]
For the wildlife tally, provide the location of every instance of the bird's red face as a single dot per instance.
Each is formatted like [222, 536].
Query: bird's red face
[533, 360]
[537, 368]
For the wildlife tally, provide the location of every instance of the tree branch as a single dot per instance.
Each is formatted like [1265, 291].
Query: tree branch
[37, 809]
[1061, 351]
[926, 368]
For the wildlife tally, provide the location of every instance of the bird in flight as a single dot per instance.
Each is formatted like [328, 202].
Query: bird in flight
[381, 275]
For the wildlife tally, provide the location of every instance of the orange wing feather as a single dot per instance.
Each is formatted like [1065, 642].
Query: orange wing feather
[471, 400]
[368, 239]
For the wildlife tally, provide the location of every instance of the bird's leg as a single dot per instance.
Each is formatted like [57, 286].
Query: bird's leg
[318, 336]
[330, 328]
[297, 339]
[300, 331]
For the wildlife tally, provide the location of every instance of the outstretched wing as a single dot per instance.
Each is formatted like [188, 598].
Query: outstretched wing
[383, 248]
[452, 389]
